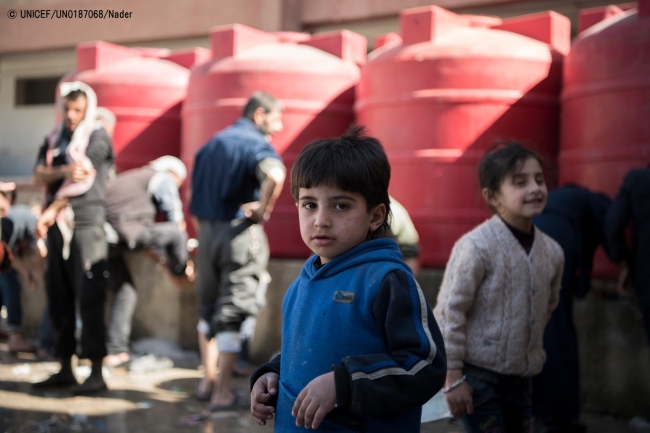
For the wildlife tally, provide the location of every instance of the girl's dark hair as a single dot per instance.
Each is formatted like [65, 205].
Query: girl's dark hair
[501, 160]
[353, 162]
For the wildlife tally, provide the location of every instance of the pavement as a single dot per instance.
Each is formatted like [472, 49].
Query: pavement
[151, 398]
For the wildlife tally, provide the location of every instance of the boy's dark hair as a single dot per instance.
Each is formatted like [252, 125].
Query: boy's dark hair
[352, 162]
[499, 161]
[260, 99]
[75, 94]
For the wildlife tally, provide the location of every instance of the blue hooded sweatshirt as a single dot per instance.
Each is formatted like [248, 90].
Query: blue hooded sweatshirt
[364, 316]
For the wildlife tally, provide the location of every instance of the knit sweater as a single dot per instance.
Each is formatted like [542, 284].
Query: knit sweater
[495, 300]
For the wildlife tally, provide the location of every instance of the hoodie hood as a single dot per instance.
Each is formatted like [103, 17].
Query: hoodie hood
[373, 251]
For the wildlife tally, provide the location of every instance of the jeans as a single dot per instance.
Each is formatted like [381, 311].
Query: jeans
[10, 298]
[164, 237]
[502, 403]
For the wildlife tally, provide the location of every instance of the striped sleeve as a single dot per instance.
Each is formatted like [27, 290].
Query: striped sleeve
[414, 368]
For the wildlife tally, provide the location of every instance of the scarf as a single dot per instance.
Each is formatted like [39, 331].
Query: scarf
[76, 153]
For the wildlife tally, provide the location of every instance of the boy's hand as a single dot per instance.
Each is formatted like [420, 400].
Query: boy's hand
[459, 399]
[622, 285]
[45, 221]
[315, 401]
[263, 391]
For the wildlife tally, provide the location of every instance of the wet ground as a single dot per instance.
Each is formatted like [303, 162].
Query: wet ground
[147, 401]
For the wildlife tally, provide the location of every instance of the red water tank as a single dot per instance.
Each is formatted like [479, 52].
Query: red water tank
[606, 104]
[440, 98]
[144, 88]
[314, 77]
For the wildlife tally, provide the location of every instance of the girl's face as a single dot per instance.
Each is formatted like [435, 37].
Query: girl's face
[522, 195]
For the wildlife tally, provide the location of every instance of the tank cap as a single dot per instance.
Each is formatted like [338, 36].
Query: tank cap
[387, 39]
[98, 54]
[591, 16]
[549, 27]
[189, 58]
[344, 44]
[294, 37]
[232, 39]
[425, 24]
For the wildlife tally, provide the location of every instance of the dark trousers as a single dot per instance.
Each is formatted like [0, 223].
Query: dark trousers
[641, 279]
[82, 280]
[231, 259]
[45, 333]
[502, 403]
[168, 240]
[10, 298]
[556, 393]
[123, 304]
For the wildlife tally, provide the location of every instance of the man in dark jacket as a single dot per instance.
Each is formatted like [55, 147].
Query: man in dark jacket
[575, 218]
[73, 164]
[236, 179]
[133, 201]
[632, 204]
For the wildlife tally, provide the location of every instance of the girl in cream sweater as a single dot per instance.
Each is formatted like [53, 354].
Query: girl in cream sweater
[500, 286]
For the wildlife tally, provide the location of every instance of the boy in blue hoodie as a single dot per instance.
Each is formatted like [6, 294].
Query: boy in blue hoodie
[361, 350]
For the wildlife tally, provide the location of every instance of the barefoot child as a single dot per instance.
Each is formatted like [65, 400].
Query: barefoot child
[499, 289]
[361, 350]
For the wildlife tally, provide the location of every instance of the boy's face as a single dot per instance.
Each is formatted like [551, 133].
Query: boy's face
[74, 111]
[332, 220]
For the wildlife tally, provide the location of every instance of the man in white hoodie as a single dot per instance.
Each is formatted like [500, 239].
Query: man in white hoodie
[73, 166]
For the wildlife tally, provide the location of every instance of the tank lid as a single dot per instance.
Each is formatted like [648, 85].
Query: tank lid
[97, 54]
[344, 44]
[189, 58]
[292, 36]
[152, 53]
[387, 39]
[232, 39]
[100, 54]
[484, 21]
[549, 27]
[591, 16]
[425, 24]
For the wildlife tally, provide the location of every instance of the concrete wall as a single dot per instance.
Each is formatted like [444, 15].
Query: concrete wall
[23, 129]
[614, 353]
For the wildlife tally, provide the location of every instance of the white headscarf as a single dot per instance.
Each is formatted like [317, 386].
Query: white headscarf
[76, 153]
[170, 163]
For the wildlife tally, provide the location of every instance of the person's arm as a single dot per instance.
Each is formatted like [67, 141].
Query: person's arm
[416, 365]
[556, 281]
[617, 219]
[464, 274]
[273, 173]
[166, 197]
[44, 175]
[264, 390]
[48, 217]
[99, 148]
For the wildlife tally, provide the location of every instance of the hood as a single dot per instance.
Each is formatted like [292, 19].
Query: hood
[373, 251]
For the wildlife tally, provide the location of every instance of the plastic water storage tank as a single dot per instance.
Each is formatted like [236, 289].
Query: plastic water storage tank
[606, 104]
[440, 98]
[313, 76]
[144, 88]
